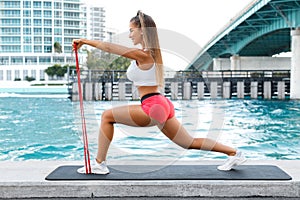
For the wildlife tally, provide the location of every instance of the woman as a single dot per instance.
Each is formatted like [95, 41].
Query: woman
[146, 72]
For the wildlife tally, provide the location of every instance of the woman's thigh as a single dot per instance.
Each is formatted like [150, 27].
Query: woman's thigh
[177, 133]
[131, 115]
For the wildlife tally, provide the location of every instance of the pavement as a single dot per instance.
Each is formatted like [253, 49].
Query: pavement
[26, 180]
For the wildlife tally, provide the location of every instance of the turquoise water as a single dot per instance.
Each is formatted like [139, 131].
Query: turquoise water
[33, 91]
[48, 128]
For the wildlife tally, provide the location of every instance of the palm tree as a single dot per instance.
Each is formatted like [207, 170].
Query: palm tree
[57, 47]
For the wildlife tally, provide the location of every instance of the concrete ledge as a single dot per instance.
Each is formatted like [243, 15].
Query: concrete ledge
[27, 180]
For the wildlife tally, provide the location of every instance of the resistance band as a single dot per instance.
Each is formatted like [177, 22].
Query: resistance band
[87, 162]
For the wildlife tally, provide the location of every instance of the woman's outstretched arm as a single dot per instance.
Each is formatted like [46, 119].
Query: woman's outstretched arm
[132, 53]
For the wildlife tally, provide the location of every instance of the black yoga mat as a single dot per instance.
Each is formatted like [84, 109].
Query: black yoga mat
[173, 172]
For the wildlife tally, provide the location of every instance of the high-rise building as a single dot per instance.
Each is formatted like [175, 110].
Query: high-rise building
[95, 23]
[30, 28]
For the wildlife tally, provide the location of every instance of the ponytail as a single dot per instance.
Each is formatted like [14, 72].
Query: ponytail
[150, 35]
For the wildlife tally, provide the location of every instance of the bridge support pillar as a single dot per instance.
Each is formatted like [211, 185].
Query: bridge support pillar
[254, 90]
[227, 90]
[174, 90]
[235, 62]
[88, 91]
[213, 90]
[98, 91]
[108, 91]
[295, 62]
[122, 91]
[240, 86]
[200, 90]
[187, 90]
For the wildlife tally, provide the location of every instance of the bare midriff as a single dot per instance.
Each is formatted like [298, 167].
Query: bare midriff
[143, 90]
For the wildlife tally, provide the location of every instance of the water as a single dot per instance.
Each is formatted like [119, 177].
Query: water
[48, 128]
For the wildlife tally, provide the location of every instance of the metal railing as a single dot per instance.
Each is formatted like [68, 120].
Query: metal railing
[180, 76]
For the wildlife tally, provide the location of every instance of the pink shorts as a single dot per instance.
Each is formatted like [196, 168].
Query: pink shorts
[158, 107]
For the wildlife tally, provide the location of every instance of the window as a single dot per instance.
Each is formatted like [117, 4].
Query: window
[10, 31]
[58, 59]
[42, 75]
[68, 40]
[58, 23]
[57, 14]
[10, 49]
[71, 6]
[68, 49]
[47, 13]
[37, 4]
[26, 13]
[71, 23]
[27, 40]
[71, 15]
[47, 49]
[27, 22]
[17, 60]
[25, 74]
[11, 4]
[37, 31]
[30, 60]
[27, 49]
[37, 13]
[44, 60]
[10, 13]
[72, 32]
[38, 49]
[47, 22]
[57, 5]
[10, 22]
[37, 22]
[48, 40]
[17, 74]
[27, 31]
[4, 60]
[10, 40]
[70, 60]
[37, 40]
[26, 4]
[13, 49]
[57, 31]
[33, 73]
[58, 39]
[47, 31]
[47, 5]
[8, 75]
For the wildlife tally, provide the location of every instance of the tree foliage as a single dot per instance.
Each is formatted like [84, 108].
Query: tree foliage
[57, 47]
[58, 70]
[120, 63]
[106, 61]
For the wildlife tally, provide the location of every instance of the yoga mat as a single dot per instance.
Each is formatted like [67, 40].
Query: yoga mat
[173, 172]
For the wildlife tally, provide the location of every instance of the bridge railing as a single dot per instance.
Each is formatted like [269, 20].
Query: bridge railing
[181, 76]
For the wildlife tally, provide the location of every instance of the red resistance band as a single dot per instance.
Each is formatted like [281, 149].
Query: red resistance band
[87, 162]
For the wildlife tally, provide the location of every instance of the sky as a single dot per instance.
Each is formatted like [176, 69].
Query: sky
[194, 21]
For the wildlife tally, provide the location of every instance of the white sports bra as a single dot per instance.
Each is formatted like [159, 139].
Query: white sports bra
[141, 77]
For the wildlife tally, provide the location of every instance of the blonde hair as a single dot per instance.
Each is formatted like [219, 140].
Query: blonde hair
[150, 36]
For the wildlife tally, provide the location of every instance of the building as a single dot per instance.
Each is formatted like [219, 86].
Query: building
[95, 23]
[30, 28]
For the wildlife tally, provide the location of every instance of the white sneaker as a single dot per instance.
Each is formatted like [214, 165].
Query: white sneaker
[232, 161]
[96, 168]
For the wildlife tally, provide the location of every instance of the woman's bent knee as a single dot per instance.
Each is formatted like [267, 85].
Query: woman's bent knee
[107, 116]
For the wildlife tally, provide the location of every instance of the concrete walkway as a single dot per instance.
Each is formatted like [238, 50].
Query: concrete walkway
[27, 180]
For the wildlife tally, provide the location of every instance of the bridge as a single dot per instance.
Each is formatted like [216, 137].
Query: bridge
[263, 28]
